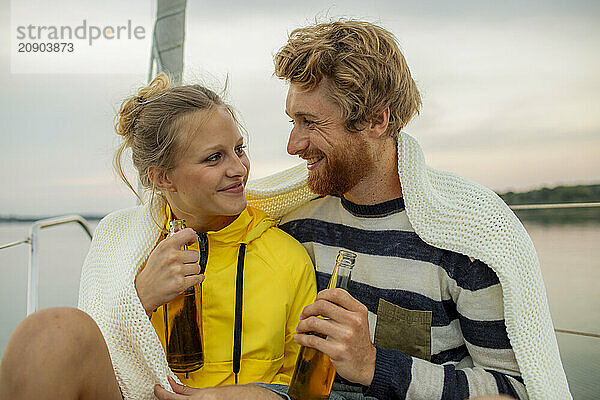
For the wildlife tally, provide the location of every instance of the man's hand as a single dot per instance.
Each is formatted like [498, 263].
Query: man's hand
[233, 392]
[348, 342]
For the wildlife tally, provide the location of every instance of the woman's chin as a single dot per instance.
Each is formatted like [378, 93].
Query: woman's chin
[236, 208]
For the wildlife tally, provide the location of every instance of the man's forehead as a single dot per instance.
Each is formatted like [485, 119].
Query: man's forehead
[300, 102]
[300, 113]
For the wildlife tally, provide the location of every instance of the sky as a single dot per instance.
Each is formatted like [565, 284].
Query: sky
[511, 90]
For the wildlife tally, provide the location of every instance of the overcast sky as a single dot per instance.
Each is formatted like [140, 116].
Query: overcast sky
[511, 91]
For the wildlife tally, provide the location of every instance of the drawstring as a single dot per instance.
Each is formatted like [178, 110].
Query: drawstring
[237, 326]
[203, 248]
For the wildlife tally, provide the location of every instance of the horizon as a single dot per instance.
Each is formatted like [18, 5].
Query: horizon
[93, 216]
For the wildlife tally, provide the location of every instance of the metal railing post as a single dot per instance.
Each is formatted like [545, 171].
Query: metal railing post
[33, 272]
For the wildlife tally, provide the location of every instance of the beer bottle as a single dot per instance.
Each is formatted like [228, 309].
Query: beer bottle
[183, 324]
[314, 372]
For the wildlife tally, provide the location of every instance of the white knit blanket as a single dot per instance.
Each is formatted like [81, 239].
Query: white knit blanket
[453, 213]
[122, 242]
[446, 211]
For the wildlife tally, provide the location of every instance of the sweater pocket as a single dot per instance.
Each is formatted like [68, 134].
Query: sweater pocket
[402, 329]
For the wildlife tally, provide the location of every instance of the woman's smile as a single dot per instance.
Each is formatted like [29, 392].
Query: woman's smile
[234, 188]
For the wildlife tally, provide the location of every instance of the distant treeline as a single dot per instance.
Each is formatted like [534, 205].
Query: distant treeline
[558, 195]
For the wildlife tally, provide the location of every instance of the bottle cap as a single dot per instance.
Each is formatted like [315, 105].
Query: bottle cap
[346, 259]
[176, 225]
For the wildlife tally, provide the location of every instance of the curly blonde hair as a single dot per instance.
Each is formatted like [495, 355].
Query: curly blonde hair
[364, 68]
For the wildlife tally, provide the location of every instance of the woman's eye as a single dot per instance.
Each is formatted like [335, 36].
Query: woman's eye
[213, 157]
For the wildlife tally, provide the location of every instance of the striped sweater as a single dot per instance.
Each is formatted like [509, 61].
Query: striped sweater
[435, 316]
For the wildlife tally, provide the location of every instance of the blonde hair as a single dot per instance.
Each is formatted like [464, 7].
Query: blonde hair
[363, 66]
[150, 121]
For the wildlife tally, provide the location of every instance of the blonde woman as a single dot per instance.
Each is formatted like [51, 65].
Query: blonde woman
[190, 155]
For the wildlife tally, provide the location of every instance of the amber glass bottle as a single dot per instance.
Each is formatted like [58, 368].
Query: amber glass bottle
[183, 324]
[314, 372]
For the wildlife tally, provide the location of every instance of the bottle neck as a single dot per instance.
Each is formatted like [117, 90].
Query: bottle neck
[342, 272]
[176, 225]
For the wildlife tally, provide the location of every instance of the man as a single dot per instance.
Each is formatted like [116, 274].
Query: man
[445, 273]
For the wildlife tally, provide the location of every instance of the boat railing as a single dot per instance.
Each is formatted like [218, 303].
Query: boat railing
[33, 269]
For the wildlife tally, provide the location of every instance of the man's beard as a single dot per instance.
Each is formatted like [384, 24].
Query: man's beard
[342, 169]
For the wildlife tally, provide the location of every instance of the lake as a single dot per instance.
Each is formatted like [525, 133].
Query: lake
[570, 269]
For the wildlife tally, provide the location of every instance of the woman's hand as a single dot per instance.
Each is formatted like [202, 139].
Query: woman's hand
[169, 271]
[231, 392]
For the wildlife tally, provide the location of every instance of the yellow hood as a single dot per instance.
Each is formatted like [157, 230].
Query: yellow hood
[247, 227]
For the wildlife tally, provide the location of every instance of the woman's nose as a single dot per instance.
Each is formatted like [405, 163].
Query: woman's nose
[236, 167]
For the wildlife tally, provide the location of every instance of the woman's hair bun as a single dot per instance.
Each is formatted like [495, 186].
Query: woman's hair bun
[132, 107]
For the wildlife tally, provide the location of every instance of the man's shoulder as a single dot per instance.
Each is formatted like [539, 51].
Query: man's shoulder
[318, 208]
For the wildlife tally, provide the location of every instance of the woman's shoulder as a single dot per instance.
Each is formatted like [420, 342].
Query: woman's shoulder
[271, 234]
[283, 238]
[285, 249]
[119, 216]
[136, 220]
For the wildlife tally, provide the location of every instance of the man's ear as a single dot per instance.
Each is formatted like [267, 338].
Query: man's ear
[161, 179]
[379, 123]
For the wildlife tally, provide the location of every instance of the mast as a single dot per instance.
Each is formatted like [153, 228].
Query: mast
[167, 40]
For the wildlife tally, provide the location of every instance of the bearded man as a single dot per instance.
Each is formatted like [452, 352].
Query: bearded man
[447, 299]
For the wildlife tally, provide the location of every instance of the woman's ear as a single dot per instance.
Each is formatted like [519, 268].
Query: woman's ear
[379, 123]
[161, 179]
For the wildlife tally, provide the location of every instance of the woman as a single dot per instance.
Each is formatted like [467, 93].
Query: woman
[188, 150]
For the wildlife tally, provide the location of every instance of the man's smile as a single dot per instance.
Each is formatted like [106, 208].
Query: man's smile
[314, 161]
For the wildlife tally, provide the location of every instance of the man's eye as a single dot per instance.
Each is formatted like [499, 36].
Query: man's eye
[213, 157]
[240, 149]
[306, 122]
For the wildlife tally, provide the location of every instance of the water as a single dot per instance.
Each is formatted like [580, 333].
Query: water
[571, 274]
[62, 250]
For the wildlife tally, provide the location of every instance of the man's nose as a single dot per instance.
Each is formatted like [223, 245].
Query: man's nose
[297, 142]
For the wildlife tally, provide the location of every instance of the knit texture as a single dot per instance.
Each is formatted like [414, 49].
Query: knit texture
[453, 213]
[122, 242]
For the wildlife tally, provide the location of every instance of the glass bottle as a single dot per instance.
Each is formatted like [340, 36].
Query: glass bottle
[183, 323]
[314, 373]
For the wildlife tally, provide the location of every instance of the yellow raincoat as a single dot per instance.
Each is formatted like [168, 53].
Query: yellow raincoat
[278, 282]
